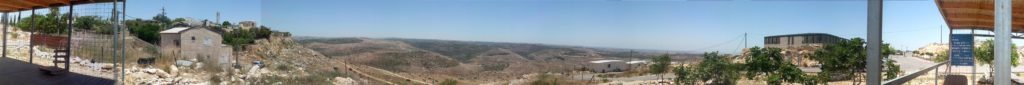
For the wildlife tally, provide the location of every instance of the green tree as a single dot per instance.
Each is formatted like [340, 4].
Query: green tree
[717, 69]
[892, 70]
[178, 20]
[225, 24]
[986, 51]
[51, 23]
[162, 18]
[661, 65]
[847, 59]
[942, 56]
[769, 64]
[684, 76]
[94, 23]
[147, 30]
[985, 54]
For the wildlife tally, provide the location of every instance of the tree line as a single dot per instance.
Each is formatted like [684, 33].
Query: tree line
[841, 61]
[54, 23]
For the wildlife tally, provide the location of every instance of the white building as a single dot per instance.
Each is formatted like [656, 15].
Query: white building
[601, 66]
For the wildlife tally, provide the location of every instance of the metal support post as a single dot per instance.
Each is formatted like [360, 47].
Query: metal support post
[1003, 19]
[113, 18]
[874, 41]
[32, 27]
[71, 15]
[6, 24]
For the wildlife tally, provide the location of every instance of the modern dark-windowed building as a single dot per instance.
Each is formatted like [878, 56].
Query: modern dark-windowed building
[801, 40]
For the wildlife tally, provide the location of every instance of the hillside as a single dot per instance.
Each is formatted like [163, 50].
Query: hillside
[467, 61]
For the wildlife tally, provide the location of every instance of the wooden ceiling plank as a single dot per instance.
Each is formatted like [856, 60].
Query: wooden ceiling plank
[34, 3]
[13, 5]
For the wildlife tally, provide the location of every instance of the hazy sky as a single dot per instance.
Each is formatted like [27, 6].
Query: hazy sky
[695, 26]
[663, 24]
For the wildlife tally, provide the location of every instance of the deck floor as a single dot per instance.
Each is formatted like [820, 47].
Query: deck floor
[23, 73]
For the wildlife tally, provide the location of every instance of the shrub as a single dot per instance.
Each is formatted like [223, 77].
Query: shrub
[449, 82]
[283, 67]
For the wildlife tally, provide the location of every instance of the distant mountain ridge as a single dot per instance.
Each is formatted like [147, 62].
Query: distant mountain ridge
[473, 61]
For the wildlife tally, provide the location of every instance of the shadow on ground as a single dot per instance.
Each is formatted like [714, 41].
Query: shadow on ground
[23, 73]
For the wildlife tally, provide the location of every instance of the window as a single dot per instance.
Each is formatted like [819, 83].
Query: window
[193, 39]
[789, 40]
[771, 40]
[207, 41]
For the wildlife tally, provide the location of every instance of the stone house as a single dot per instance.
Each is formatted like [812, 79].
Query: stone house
[193, 43]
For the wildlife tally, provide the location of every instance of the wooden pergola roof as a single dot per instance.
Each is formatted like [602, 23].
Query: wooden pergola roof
[19, 5]
[977, 14]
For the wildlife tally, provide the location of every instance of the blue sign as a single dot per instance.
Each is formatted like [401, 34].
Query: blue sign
[961, 49]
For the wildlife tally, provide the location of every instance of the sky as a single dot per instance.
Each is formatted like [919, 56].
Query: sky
[230, 10]
[676, 25]
[693, 26]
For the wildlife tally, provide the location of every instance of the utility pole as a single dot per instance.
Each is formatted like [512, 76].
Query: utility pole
[218, 17]
[744, 40]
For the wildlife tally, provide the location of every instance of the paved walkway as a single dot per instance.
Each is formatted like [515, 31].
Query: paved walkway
[23, 73]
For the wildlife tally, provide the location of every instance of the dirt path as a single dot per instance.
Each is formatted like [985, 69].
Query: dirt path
[358, 70]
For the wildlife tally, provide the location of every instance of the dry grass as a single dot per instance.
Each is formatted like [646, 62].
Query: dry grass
[547, 79]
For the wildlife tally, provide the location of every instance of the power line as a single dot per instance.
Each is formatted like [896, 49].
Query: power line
[719, 44]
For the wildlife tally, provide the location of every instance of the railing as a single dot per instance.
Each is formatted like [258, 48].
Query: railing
[903, 79]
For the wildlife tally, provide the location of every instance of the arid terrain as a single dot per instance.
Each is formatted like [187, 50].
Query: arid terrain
[469, 62]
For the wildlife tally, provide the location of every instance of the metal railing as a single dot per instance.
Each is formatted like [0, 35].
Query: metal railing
[904, 79]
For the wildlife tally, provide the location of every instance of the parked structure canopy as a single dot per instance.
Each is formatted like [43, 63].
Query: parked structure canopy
[977, 14]
[20, 5]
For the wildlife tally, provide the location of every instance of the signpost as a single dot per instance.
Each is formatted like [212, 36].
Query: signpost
[961, 49]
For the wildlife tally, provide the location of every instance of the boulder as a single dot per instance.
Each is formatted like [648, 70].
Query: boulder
[150, 70]
[344, 81]
[163, 74]
[198, 65]
[183, 63]
[173, 70]
[105, 66]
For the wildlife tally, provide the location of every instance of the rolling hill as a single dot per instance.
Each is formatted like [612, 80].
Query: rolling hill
[467, 61]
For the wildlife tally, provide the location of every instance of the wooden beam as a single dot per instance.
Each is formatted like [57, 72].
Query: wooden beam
[34, 3]
[10, 5]
[54, 2]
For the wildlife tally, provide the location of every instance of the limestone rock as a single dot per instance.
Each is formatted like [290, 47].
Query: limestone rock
[344, 81]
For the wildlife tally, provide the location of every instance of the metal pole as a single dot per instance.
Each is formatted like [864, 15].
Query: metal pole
[31, 26]
[974, 68]
[874, 60]
[17, 19]
[71, 18]
[124, 14]
[4, 41]
[113, 14]
[6, 24]
[1002, 44]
